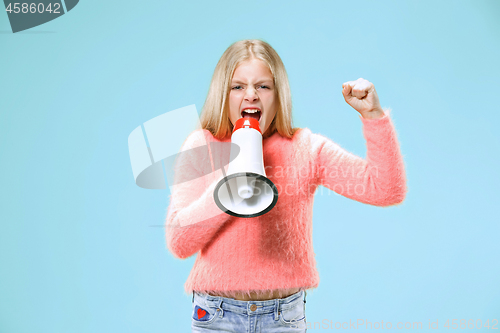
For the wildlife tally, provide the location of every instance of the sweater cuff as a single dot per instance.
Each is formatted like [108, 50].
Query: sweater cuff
[387, 113]
[379, 130]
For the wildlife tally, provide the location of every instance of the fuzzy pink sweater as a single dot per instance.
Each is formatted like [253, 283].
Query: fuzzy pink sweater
[275, 250]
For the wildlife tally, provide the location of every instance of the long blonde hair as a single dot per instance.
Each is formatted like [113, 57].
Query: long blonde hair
[215, 112]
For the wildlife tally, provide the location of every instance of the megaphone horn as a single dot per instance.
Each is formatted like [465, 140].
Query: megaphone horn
[246, 191]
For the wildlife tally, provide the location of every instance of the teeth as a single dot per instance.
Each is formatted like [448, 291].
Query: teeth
[251, 110]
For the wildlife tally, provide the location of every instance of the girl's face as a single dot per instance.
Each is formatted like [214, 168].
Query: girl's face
[252, 87]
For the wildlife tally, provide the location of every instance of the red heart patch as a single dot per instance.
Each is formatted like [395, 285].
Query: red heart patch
[201, 313]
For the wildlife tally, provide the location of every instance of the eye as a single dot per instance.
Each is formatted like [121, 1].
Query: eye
[265, 87]
[236, 88]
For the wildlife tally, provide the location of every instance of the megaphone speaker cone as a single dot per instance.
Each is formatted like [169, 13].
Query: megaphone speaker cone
[227, 195]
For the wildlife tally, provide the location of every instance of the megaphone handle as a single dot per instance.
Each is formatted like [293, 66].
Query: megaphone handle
[227, 186]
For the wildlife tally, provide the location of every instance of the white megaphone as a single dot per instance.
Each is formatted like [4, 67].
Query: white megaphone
[246, 191]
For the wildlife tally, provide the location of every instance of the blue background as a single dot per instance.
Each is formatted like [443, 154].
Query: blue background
[82, 248]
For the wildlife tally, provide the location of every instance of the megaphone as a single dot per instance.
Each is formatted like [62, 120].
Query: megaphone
[246, 191]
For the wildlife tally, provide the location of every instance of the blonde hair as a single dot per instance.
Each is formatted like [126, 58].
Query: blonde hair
[215, 112]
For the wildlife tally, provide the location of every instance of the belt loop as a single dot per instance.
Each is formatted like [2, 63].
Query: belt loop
[276, 308]
[219, 306]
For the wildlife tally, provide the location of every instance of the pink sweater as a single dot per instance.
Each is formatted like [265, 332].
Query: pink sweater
[275, 250]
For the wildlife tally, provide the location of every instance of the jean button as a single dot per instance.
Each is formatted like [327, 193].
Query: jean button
[253, 307]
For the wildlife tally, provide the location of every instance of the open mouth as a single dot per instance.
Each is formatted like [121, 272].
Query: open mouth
[251, 113]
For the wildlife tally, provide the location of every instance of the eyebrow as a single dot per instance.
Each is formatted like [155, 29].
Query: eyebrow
[261, 81]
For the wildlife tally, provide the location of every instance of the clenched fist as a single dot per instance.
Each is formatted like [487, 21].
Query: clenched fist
[362, 96]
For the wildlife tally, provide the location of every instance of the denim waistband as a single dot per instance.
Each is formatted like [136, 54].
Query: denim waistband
[245, 307]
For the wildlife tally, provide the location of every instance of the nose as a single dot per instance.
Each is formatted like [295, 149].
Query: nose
[251, 94]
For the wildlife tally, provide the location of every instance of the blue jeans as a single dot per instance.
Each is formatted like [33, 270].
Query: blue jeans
[221, 314]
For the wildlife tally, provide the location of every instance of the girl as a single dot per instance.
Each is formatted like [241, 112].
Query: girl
[251, 274]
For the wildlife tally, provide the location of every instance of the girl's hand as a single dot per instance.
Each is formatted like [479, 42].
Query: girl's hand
[362, 96]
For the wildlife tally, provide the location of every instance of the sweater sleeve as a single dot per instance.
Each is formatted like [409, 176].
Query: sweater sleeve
[378, 180]
[192, 218]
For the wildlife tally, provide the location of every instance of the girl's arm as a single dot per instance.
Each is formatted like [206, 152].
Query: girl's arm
[193, 218]
[378, 180]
